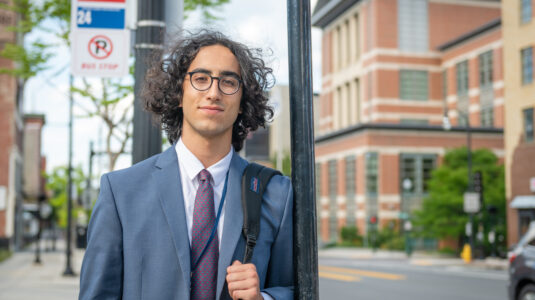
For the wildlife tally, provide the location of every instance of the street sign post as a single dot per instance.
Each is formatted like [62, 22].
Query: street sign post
[100, 39]
[471, 202]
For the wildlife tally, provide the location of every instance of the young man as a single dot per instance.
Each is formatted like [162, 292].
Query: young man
[170, 227]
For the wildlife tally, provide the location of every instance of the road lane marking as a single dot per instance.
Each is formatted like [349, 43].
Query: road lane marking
[422, 262]
[380, 275]
[338, 276]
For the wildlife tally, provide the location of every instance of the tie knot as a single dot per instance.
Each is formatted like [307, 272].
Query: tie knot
[204, 175]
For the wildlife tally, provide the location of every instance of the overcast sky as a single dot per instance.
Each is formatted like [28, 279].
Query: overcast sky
[253, 22]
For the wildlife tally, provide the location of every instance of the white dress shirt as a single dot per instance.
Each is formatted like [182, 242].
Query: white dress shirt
[190, 167]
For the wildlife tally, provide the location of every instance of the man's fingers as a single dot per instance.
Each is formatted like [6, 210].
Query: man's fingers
[244, 294]
[239, 267]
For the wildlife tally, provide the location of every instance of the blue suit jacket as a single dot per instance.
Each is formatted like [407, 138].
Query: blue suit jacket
[138, 246]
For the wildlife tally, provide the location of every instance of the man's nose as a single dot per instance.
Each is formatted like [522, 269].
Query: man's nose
[213, 91]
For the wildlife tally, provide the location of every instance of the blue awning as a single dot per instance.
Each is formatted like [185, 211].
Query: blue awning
[523, 202]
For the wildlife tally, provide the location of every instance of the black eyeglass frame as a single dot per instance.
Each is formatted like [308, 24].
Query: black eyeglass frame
[212, 82]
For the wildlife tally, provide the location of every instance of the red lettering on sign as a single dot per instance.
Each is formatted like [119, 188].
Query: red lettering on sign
[108, 66]
[89, 66]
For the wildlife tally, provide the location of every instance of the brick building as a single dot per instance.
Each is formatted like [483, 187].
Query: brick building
[393, 71]
[11, 127]
[518, 44]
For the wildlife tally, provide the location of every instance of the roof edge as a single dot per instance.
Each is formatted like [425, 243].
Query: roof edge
[471, 34]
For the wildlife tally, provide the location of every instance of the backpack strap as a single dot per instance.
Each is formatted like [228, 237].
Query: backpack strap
[255, 178]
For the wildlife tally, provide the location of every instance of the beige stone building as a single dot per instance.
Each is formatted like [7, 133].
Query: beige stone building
[518, 43]
[392, 71]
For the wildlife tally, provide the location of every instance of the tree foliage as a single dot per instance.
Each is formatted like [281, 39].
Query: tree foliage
[56, 183]
[442, 214]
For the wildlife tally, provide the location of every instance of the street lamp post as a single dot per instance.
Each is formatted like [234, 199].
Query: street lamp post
[447, 126]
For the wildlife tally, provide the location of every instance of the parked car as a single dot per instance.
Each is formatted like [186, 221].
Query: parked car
[521, 284]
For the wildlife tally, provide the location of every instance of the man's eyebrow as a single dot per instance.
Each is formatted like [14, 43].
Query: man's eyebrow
[223, 73]
[201, 70]
[229, 73]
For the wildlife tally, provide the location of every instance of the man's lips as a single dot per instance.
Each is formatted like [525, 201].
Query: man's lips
[211, 108]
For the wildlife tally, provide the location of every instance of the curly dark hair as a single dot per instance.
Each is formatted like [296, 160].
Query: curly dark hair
[162, 92]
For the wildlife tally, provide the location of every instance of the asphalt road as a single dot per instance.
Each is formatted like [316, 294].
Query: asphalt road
[403, 279]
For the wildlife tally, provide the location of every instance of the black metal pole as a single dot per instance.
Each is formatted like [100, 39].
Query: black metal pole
[89, 176]
[302, 133]
[37, 260]
[68, 270]
[470, 185]
[147, 138]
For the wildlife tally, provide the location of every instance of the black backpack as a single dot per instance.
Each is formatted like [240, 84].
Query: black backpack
[255, 178]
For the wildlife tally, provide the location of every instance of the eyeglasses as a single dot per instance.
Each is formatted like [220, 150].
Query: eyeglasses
[227, 84]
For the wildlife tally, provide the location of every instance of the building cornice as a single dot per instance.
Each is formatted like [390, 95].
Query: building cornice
[330, 11]
[401, 127]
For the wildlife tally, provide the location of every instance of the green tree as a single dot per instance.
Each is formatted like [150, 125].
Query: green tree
[442, 215]
[56, 183]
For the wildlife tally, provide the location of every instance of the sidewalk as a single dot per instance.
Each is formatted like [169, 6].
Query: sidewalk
[417, 258]
[21, 279]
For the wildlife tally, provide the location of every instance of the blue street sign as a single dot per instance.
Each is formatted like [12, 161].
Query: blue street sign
[96, 17]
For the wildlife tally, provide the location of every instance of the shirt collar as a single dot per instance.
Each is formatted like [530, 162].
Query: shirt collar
[192, 165]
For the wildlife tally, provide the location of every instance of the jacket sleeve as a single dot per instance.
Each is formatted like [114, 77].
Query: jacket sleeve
[102, 268]
[279, 280]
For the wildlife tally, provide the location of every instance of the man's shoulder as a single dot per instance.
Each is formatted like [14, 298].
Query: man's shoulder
[141, 169]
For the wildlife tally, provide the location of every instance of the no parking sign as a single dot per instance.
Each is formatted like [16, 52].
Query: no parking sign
[99, 38]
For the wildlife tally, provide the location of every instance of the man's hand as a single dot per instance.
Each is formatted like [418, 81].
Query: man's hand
[243, 282]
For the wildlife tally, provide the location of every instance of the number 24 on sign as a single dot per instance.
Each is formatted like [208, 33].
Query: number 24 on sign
[84, 17]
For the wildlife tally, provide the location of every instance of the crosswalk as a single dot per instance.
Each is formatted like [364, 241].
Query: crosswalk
[354, 275]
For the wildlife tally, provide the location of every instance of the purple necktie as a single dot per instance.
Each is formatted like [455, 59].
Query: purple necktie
[204, 277]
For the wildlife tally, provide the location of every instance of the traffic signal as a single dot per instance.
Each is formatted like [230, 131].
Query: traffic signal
[373, 220]
[477, 182]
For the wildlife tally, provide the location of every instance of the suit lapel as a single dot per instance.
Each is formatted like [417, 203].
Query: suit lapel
[233, 220]
[167, 179]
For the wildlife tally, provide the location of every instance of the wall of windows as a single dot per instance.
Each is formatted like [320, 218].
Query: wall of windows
[413, 25]
[372, 206]
[462, 92]
[350, 164]
[415, 171]
[486, 95]
[413, 85]
[528, 125]
[527, 65]
[525, 11]
[333, 206]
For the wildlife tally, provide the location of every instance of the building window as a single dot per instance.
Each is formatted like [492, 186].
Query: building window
[462, 92]
[413, 25]
[333, 206]
[445, 85]
[525, 10]
[357, 37]
[485, 70]
[415, 172]
[486, 95]
[528, 125]
[371, 174]
[350, 162]
[527, 65]
[413, 85]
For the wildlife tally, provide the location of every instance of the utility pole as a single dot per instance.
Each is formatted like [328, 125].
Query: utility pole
[147, 138]
[302, 132]
[68, 269]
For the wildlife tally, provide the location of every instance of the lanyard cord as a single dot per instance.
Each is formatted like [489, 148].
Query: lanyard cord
[214, 228]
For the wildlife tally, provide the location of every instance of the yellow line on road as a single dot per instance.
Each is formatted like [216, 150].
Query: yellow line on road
[380, 275]
[338, 276]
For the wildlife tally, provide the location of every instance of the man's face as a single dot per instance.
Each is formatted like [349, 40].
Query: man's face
[210, 114]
